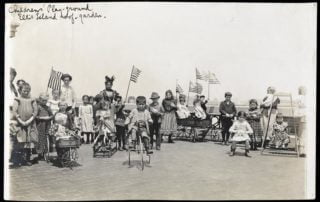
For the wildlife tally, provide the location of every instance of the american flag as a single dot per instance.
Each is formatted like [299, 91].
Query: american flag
[201, 76]
[55, 80]
[179, 89]
[212, 79]
[195, 88]
[135, 74]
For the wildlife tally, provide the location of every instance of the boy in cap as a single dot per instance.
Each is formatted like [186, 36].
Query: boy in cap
[138, 123]
[228, 111]
[154, 109]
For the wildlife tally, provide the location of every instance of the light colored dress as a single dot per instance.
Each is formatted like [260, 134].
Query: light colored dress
[25, 108]
[53, 105]
[68, 95]
[86, 116]
[183, 111]
[199, 112]
[241, 131]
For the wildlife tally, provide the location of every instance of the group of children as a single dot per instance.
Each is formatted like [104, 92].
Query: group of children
[247, 127]
[33, 120]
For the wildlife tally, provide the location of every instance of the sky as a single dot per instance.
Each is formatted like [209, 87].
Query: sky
[248, 46]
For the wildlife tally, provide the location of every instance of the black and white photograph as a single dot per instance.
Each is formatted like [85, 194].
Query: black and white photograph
[159, 101]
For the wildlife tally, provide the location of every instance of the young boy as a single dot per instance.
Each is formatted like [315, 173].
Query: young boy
[138, 122]
[154, 109]
[228, 112]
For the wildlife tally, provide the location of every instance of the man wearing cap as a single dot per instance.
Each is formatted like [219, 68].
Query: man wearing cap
[67, 92]
[228, 111]
[154, 109]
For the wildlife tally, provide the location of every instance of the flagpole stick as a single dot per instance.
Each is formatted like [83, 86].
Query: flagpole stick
[49, 81]
[129, 84]
[188, 94]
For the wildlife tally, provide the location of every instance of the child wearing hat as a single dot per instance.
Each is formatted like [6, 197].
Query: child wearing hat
[280, 137]
[241, 130]
[138, 123]
[253, 118]
[154, 109]
[228, 111]
[43, 121]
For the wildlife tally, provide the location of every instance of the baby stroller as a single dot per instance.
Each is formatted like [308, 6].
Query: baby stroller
[105, 142]
[67, 143]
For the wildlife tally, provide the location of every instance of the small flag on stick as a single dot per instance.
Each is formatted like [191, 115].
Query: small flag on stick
[135, 74]
[179, 89]
[201, 76]
[212, 79]
[55, 80]
[195, 88]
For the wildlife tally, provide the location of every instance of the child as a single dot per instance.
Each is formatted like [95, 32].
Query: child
[169, 120]
[183, 111]
[199, 112]
[107, 129]
[154, 109]
[25, 110]
[280, 137]
[86, 118]
[53, 103]
[138, 123]
[62, 120]
[43, 121]
[253, 119]
[228, 111]
[203, 103]
[120, 126]
[241, 128]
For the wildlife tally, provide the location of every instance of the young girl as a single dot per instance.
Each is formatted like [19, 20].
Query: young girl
[280, 137]
[241, 130]
[183, 111]
[43, 121]
[86, 118]
[107, 129]
[253, 119]
[53, 103]
[199, 112]
[169, 121]
[25, 110]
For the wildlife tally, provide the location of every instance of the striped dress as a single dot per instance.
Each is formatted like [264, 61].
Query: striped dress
[169, 120]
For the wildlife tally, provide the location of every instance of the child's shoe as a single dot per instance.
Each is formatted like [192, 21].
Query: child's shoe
[246, 153]
[233, 152]
[157, 147]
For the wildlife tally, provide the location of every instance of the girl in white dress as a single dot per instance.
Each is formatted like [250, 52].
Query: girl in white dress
[86, 118]
[53, 103]
[241, 130]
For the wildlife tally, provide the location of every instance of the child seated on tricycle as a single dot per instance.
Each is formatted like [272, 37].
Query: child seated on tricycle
[138, 123]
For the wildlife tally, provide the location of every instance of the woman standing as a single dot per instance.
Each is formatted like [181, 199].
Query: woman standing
[169, 121]
[67, 92]
[302, 125]
[270, 100]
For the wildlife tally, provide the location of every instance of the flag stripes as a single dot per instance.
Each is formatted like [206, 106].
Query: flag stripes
[179, 89]
[201, 76]
[212, 79]
[55, 80]
[135, 74]
[195, 88]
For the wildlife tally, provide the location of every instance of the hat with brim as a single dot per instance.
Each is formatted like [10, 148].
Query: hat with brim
[66, 76]
[154, 95]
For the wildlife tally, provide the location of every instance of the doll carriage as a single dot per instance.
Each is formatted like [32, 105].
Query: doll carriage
[138, 146]
[193, 128]
[67, 148]
[105, 142]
